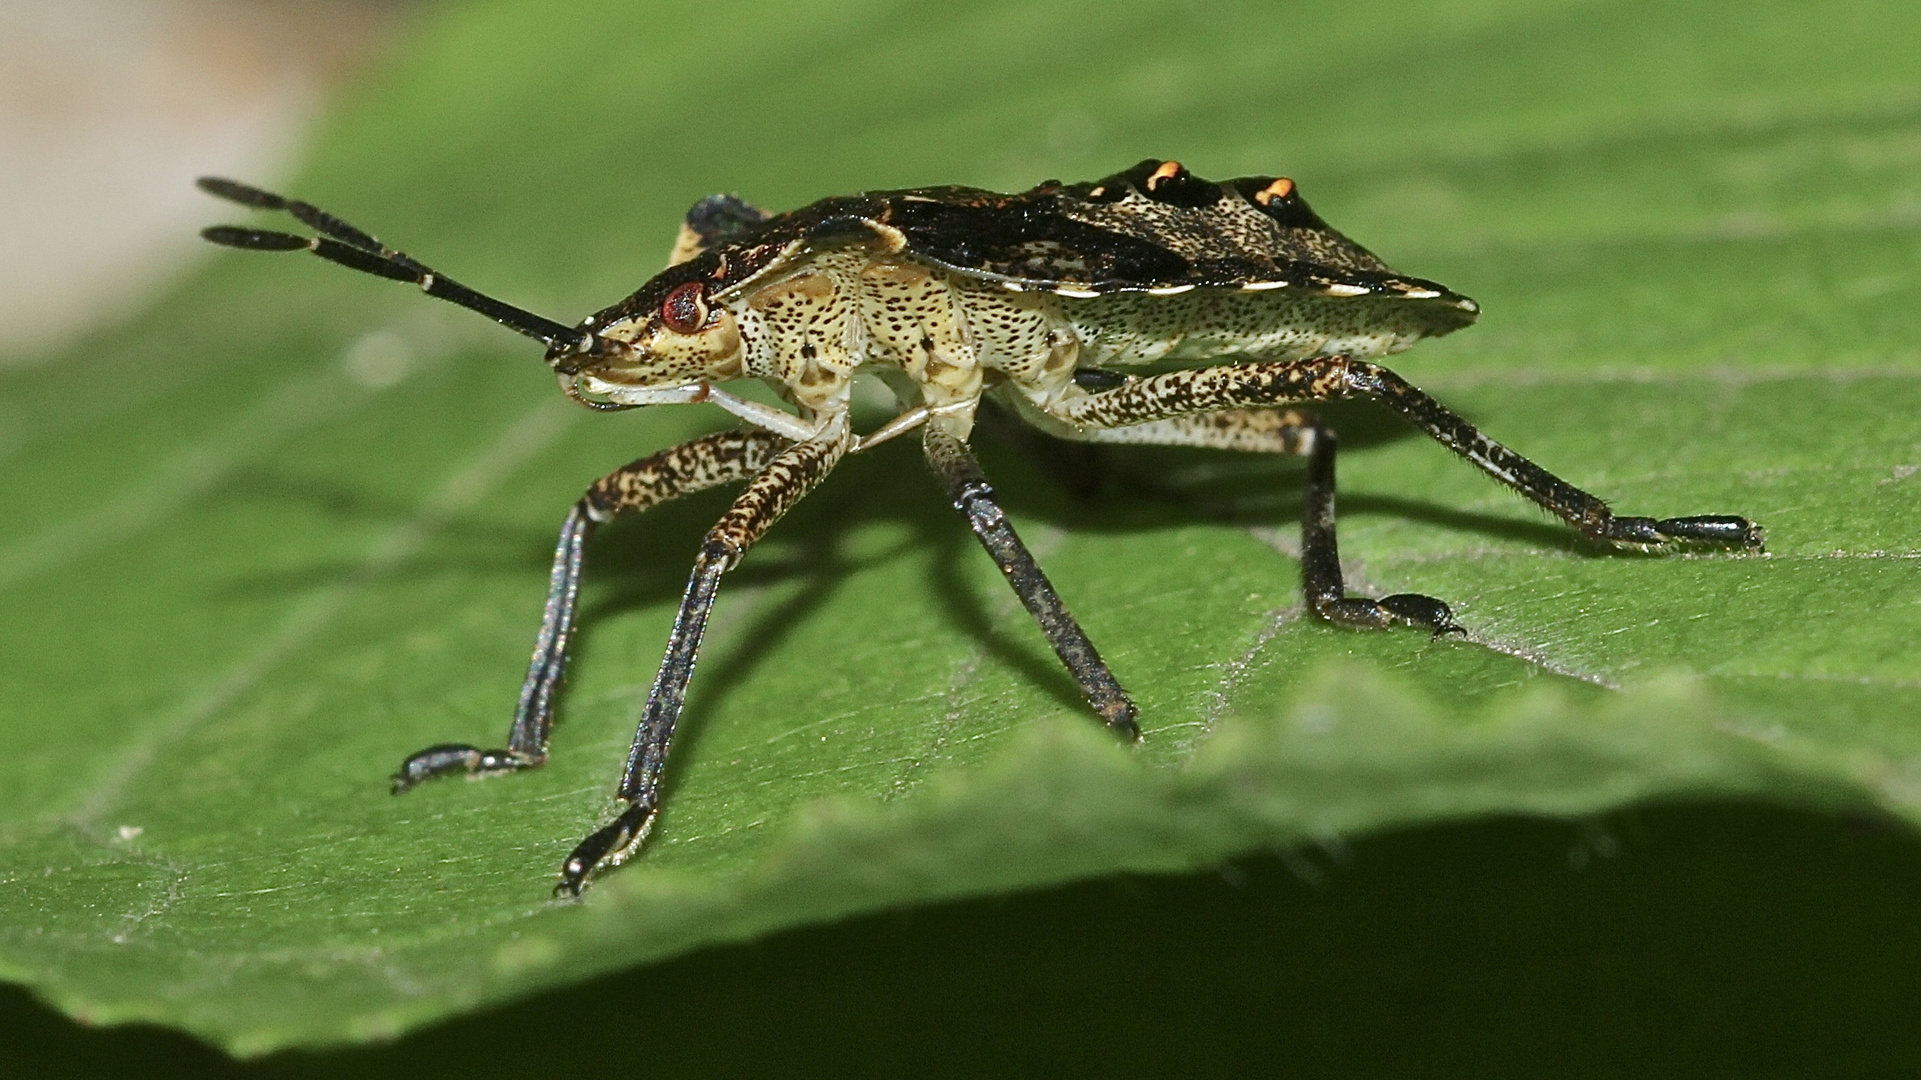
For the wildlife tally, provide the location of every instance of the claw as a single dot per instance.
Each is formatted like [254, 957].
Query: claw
[1708, 530]
[447, 758]
[605, 848]
[1715, 529]
[1406, 609]
[1423, 611]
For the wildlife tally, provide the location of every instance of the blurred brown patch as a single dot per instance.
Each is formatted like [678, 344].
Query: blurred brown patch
[110, 108]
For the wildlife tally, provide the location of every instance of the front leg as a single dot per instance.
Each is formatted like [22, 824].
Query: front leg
[1331, 378]
[790, 475]
[682, 470]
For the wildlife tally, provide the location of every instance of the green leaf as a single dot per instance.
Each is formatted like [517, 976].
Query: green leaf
[293, 525]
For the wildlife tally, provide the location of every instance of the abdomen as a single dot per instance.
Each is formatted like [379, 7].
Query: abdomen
[1221, 325]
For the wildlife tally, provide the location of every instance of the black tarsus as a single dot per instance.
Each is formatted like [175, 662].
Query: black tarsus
[606, 846]
[533, 715]
[1321, 558]
[641, 780]
[1585, 512]
[358, 250]
[640, 785]
[534, 712]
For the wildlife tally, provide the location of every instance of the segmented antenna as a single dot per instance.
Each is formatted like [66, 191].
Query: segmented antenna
[358, 250]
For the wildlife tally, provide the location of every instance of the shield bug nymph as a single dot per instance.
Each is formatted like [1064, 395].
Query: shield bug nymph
[1150, 307]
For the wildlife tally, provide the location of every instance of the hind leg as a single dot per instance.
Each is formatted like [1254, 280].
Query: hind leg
[1296, 432]
[1266, 384]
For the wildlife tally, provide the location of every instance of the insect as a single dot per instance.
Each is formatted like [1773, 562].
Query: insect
[1151, 307]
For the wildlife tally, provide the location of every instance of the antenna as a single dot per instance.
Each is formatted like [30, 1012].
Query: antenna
[358, 250]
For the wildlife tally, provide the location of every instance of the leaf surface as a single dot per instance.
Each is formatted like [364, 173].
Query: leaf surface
[294, 524]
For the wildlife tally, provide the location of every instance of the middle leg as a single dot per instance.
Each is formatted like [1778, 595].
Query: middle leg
[967, 486]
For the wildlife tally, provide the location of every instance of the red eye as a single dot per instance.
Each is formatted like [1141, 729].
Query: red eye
[685, 309]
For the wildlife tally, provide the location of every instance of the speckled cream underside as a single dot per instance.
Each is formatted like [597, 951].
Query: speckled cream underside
[808, 332]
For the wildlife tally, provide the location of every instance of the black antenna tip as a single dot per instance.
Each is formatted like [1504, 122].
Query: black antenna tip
[243, 194]
[254, 239]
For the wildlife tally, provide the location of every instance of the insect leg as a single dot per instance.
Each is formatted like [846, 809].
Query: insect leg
[1295, 432]
[650, 481]
[1330, 378]
[777, 487]
[974, 498]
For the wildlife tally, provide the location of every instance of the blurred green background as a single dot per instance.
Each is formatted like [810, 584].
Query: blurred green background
[1694, 229]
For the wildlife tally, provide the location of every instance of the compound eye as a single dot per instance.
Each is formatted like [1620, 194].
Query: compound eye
[685, 309]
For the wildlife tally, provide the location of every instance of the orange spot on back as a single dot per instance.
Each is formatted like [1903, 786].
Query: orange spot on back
[1168, 171]
[1279, 189]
